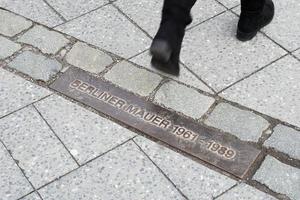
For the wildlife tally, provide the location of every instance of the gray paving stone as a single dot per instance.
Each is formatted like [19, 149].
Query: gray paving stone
[279, 177]
[32, 196]
[137, 10]
[12, 182]
[124, 173]
[88, 58]
[185, 76]
[16, 92]
[37, 66]
[244, 124]
[47, 41]
[85, 134]
[183, 99]
[219, 58]
[7, 47]
[245, 192]
[285, 27]
[40, 154]
[193, 179]
[107, 28]
[36, 10]
[273, 91]
[133, 78]
[12, 24]
[70, 9]
[286, 140]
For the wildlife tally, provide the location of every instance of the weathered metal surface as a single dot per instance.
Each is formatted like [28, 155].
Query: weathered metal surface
[209, 145]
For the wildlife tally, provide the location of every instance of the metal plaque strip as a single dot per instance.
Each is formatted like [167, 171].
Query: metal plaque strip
[218, 149]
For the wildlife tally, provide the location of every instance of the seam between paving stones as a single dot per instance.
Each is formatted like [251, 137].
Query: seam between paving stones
[153, 93]
[67, 21]
[24, 174]
[52, 130]
[131, 20]
[55, 11]
[216, 197]
[252, 73]
[161, 171]
[26, 195]
[199, 78]
[264, 188]
[86, 163]
[23, 107]
[228, 8]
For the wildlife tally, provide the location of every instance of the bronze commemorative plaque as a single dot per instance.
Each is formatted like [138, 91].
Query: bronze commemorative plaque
[216, 148]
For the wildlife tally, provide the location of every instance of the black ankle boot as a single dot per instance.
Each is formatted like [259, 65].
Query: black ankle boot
[251, 21]
[166, 46]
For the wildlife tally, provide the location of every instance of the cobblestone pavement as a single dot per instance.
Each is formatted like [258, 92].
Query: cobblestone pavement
[52, 147]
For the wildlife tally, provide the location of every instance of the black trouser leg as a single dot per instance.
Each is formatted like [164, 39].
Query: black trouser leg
[252, 5]
[178, 10]
[166, 45]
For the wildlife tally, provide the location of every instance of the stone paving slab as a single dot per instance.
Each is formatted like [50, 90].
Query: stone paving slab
[245, 192]
[32, 196]
[7, 47]
[137, 10]
[285, 27]
[12, 182]
[88, 58]
[244, 124]
[47, 41]
[183, 99]
[70, 9]
[36, 65]
[285, 139]
[125, 173]
[108, 33]
[279, 177]
[36, 10]
[39, 153]
[193, 179]
[84, 133]
[12, 24]
[132, 78]
[16, 92]
[185, 76]
[219, 58]
[273, 91]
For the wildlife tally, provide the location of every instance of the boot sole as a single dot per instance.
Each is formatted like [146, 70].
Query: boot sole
[161, 50]
[242, 36]
[166, 67]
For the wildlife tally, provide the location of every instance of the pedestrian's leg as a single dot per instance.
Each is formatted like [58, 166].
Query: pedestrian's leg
[166, 45]
[255, 14]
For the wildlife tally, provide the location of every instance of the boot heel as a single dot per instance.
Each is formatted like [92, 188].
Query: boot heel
[161, 50]
[242, 36]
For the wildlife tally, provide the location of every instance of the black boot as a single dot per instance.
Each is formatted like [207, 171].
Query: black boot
[255, 14]
[166, 46]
